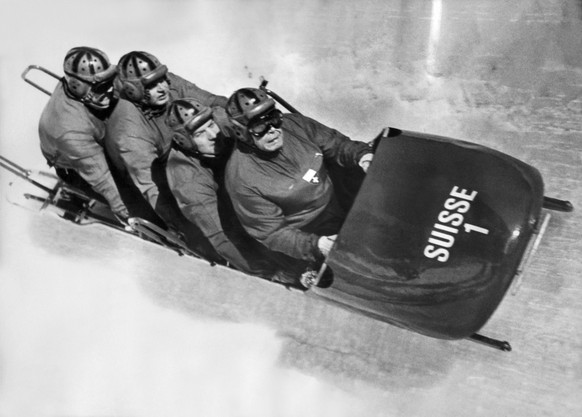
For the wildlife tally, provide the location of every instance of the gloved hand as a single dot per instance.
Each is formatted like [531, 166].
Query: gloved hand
[365, 161]
[325, 243]
[121, 214]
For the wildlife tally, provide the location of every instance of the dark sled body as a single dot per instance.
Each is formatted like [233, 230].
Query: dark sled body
[436, 234]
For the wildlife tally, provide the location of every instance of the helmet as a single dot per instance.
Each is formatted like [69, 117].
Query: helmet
[136, 71]
[185, 116]
[86, 68]
[243, 106]
[247, 104]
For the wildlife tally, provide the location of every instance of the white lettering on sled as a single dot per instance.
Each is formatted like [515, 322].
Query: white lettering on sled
[444, 232]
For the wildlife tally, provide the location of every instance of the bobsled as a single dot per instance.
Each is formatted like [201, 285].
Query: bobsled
[438, 232]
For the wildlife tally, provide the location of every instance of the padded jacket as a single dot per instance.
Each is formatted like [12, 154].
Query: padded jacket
[138, 142]
[71, 137]
[285, 199]
[197, 184]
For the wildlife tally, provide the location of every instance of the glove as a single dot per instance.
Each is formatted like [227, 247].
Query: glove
[122, 215]
[365, 161]
[325, 243]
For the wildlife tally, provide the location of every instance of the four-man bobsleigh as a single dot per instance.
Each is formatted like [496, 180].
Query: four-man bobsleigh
[438, 231]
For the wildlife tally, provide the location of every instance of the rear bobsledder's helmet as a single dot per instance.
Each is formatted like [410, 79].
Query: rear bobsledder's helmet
[136, 70]
[185, 116]
[243, 106]
[85, 69]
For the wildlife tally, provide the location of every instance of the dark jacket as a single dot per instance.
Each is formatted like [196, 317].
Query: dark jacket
[198, 187]
[286, 199]
[138, 141]
[71, 137]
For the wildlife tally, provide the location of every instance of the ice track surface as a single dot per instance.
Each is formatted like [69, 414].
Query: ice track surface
[95, 323]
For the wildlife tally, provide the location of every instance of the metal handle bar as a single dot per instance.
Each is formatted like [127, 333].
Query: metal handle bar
[39, 68]
[8, 164]
[277, 97]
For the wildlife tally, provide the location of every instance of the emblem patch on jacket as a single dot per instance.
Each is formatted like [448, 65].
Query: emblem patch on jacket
[311, 176]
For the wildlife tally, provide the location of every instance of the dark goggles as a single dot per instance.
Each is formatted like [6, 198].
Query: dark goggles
[102, 87]
[261, 125]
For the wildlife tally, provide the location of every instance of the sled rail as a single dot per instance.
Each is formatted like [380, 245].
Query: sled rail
[490, 342]
[34, 84]
[529, 253]
[22, 173]
[145, 228]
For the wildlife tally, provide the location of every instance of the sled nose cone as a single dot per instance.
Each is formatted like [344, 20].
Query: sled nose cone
[436, 235]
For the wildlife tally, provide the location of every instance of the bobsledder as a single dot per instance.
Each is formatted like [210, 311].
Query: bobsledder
[438, 232]
[74, 204]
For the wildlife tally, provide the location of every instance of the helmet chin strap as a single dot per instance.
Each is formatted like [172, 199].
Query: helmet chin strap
[88, 101]
[207, 155]
[147, 98]
[193, 151]
[152, 111]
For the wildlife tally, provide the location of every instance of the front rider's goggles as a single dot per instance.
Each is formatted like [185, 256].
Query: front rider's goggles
[262, 124]
[102, 87]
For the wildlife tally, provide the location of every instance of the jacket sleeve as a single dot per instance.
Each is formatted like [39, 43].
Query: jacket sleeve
[87, 157]
[187, 89]
[265, 221]
[335, 146]
[196, 196]
[138, 157]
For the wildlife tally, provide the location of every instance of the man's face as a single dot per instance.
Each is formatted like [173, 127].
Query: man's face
[208, 140]
[266, 131]
[270, 141]
[158, 92]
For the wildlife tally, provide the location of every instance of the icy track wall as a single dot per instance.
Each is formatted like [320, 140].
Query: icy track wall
[467, 69]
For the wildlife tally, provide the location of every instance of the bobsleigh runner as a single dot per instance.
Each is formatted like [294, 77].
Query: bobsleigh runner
[438, 232]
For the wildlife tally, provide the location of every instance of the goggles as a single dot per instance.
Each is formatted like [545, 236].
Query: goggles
[102, 87]
[261, 125]
[102, 83]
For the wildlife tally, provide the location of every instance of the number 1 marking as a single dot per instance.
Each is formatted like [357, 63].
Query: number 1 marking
[472, 228]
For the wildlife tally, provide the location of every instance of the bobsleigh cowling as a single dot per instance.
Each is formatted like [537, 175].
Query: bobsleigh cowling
[435, 235]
